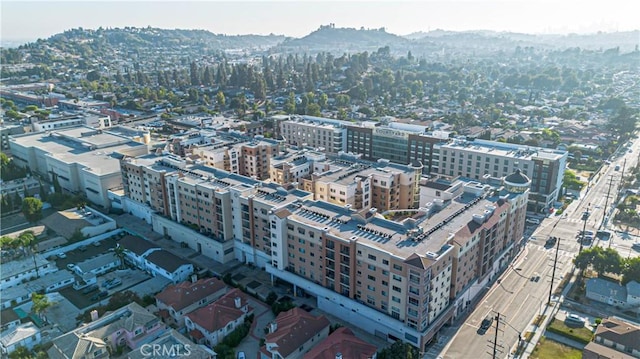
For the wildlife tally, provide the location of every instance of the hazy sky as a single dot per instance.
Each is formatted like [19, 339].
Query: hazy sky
[27, 20]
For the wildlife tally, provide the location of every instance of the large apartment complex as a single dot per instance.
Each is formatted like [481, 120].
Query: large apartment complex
[316, 132]
[408, 272]
[440, 155]
[477, 158]
[400, 279]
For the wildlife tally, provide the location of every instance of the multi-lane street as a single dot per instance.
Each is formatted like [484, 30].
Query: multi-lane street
[515, 295]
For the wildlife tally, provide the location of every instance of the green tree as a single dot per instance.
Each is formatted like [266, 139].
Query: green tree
[313, 109]
[32, 209]
[119, 253]
[40, 305]
[27, 240]
[631, 270]
[399, 350]
[220, 101]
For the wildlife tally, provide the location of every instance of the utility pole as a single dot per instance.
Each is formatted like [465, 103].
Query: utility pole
[553, 273]
[606, 201]
[495, 340]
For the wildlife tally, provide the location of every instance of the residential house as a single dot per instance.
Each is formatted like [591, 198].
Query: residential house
[168, 265]
[8, 319]
[293, 333]
[136, 249]
[17, 271]
[172, 344]
[611, 293]
[210, 324]
[342, 343]
[594, 350]
[98, 265]
[24, 335]
[177, 300]
[129, 326]
[45, 283]
[618, 334]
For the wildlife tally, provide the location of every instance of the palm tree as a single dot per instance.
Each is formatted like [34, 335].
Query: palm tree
[28, 241]
[118, 252]
[40, 305]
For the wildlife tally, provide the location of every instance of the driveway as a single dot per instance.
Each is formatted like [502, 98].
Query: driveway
[262, 317]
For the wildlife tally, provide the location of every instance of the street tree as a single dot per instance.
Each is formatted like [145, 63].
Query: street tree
[32, 209]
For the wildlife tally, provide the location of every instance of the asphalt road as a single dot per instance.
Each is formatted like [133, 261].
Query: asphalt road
[517, 298]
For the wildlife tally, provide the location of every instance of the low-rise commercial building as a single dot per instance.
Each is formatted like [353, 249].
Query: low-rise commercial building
[80, 159]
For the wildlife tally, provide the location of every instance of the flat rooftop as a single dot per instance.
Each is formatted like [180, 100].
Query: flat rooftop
[11, 268]
[398, 238]
[505, 149]
[98, 153]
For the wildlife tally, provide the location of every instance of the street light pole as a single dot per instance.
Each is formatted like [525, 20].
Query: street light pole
[553, 273]
[606, 202]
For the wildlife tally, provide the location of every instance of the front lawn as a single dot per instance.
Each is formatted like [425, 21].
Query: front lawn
[581, 335]
[549, 349]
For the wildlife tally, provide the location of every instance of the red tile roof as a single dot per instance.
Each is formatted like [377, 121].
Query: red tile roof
[342, 341]
[163, 313]
[221, 312]
[182, 295]
[294, 328]
[196, 334]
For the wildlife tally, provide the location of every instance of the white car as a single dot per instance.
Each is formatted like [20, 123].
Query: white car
[62, 255]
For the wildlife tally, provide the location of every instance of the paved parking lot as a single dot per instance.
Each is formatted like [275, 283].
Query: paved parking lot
[131, 278]
[76, 256]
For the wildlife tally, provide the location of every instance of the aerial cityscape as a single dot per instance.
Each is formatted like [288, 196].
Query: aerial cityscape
[321, 180]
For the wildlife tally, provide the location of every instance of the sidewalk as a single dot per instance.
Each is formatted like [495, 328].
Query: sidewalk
[549, 313]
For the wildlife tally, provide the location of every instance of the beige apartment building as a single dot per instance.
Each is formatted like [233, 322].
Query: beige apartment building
[315, 132]
[292, 167]
[363, 185]
[406, 279]
[249, 158]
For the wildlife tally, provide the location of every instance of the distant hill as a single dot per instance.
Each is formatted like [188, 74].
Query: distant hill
[480, 39]
[151, 39]
[330, 38]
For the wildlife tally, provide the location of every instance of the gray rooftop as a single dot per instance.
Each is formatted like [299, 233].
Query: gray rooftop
[97, 262]
[607, 289]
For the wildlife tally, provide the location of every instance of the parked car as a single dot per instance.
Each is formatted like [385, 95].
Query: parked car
[574, 318]
[636, 246]
[112, 283]
[533, 221]
[89, 289]
[97, 244]
[62, 255]
[82, 248]
[100, 295]
[71, 266]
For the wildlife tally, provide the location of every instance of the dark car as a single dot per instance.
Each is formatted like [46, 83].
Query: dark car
[551, 241]
[486, 323]
[89, 289]
[100, 295]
